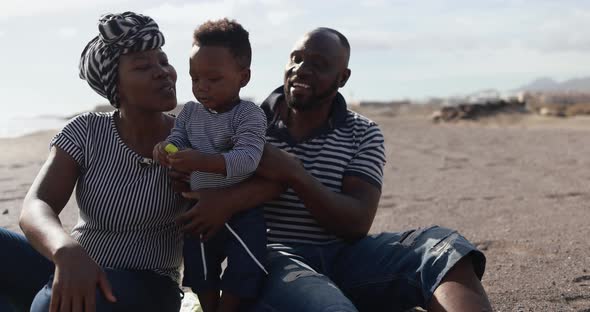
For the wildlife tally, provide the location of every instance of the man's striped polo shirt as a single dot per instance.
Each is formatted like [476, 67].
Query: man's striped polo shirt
[348, 145]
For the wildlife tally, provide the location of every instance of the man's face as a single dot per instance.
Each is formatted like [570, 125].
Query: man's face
[316, 69]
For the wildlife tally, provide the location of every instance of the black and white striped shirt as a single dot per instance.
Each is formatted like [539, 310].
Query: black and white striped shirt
[238, 134]
[127, 207]
[349, 145]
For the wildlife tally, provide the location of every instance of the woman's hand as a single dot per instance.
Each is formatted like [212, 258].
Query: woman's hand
[75, 281]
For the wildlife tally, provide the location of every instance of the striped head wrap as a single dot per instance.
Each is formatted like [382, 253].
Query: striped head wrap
[119, 34]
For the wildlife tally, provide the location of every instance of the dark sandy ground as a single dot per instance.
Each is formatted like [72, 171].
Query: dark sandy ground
[519, 188]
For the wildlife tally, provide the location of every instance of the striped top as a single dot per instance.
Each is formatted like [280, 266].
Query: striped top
[237, 134]
[127, 207]
[348, 145]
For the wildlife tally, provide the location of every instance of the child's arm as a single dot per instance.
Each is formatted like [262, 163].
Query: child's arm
[242, 159]
[248, 141]
[178, 136]
[189, 160]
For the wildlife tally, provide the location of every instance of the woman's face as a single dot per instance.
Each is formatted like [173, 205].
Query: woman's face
[147, 81]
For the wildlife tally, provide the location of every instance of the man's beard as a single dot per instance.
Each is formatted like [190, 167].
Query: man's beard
[313, 101]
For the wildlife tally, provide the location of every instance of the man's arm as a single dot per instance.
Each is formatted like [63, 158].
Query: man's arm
[348, 214]
[217, 205]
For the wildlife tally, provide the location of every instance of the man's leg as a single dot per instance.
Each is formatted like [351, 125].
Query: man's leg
[397, 271]
[24, 271]
[460, 290]
[292, 285]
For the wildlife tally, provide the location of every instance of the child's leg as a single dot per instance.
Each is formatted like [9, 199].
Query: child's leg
[194, 276]
[243, 277]
[228, 303]
[209, 300]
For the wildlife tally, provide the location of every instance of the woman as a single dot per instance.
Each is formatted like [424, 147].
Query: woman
[125, 252]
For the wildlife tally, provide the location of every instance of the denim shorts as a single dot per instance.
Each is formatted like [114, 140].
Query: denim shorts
[242, 276]
[382, 272]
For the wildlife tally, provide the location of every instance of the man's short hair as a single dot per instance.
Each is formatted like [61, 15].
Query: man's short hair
[341, 38]
[226, 33]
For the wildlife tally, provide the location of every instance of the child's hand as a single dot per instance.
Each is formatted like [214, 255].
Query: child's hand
[160, 155]
[186, 160]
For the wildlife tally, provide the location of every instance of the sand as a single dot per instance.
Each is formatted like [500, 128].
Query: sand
[518, 187]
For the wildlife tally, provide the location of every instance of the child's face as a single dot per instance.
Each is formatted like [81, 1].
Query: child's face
[217, 78]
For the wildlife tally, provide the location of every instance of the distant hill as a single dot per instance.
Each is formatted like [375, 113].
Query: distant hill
[546, 84]
[104, 108]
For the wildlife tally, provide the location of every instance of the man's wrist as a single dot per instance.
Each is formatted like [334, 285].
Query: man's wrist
[295, 175]
[196, 161]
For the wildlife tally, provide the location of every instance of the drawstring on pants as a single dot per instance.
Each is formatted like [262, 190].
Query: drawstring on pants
[239, 240]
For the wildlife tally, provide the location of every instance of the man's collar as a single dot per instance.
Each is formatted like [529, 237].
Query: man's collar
[336, 120]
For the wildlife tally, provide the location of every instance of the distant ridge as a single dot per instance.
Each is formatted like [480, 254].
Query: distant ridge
[546, 84]
[105, 108]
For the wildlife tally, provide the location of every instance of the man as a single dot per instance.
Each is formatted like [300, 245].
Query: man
[319, 182]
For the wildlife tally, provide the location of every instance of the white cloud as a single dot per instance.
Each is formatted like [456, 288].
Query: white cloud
[541, 27]
[276, 12]
[67, 32]
[23, 8]
[374, 3]
[2, 34]
[278, 17]
[193, 13]
[265, 19]
[273, 2]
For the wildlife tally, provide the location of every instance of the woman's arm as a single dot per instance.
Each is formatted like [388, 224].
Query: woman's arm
[46, 198]
[76, 274]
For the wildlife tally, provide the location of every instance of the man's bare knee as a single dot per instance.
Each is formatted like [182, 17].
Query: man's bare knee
[460, 290]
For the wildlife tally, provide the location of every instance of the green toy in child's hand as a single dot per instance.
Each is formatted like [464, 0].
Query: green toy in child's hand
[170, 148]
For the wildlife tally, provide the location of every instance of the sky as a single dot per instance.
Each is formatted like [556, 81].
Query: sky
[400, 48]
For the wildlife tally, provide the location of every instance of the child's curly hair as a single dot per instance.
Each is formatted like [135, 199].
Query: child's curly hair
[226, 33]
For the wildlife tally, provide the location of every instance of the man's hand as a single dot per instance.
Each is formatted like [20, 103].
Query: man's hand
[160, 155]
[208, 215]
[76, 278]
[278, 165]
[186, 160]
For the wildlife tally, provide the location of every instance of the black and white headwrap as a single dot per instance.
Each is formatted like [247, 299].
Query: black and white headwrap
[119, 34]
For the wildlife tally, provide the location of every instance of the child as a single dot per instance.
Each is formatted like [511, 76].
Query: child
[221, 139]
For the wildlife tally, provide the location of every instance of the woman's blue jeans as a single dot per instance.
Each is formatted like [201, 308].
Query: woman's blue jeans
[26, 276]
[23, 272]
